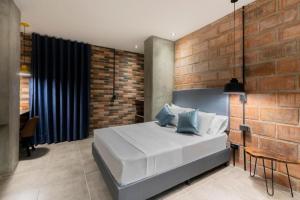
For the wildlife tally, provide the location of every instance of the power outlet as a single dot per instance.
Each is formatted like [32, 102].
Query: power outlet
[244, 127]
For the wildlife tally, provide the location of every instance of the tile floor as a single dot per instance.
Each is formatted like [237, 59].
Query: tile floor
[67, 171]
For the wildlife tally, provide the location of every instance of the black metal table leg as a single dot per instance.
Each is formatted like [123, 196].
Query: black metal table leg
[287, 171]
[272, 178]
[252, 175]
[233, 155]
[234, 147]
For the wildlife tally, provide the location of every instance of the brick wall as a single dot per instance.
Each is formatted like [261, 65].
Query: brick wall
[24, 81]
[204, 59]
[129, 86]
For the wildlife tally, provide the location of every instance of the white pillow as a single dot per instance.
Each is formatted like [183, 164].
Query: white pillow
[181, 108]
[218, 125]
[176, 110]
[205, 120]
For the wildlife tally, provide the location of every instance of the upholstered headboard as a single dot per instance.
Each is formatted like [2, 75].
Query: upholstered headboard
[207, 100]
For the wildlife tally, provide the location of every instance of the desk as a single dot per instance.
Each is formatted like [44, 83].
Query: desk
[24, 112]
[24, 117]
[273, 157]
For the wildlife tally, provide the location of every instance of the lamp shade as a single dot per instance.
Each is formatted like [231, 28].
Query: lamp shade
[234, 87]
[24, 71]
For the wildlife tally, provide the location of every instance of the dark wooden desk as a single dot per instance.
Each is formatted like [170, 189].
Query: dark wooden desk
[24, 117]
[273, 157]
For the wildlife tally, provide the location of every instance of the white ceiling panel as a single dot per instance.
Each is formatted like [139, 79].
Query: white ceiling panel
[121, 24]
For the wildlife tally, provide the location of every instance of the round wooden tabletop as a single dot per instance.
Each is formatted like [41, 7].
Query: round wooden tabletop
[264, 154]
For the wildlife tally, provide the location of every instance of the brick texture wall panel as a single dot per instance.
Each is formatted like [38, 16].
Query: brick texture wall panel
[129, 87]
[272, 74]
[286, 149]
[24, 81]
[289, 100]
[283, 4]
[288, 133]
[273, 83]
[262, 128]
[293, 170]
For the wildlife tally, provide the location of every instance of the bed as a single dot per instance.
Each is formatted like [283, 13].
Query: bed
[142, 160]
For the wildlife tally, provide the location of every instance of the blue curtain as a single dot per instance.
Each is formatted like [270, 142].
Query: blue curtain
[59, 89]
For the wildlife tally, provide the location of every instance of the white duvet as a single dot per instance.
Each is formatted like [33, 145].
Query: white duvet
[137, 151]
[155, 143]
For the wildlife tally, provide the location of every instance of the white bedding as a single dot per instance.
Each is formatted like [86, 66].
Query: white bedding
[137, 151]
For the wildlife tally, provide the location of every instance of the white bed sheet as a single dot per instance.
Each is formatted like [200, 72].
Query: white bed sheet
[130, 158]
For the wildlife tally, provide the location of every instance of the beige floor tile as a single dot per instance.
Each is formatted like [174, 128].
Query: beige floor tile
[89, 165]
[68, 171]
[227, 184]
[65, 159]
[62, 147]
[63, 172]
[97, 186]
[64, 153]
[72, 189]
[82, 144]
[25, 195]
[86, 153]
[32, 163]
[21, 182]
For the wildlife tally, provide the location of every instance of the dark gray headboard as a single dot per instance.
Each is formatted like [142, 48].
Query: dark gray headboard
[207, 100]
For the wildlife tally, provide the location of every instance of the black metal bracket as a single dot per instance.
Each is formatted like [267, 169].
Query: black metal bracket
[245, 127]
[243, 98]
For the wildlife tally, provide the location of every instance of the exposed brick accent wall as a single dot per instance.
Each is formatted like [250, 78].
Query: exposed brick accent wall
[129, 86]
[204, 59]
[24, 81]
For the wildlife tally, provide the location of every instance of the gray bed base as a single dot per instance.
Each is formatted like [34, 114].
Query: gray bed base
[151, 186]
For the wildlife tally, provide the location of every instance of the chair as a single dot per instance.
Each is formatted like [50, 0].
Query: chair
[27, 134]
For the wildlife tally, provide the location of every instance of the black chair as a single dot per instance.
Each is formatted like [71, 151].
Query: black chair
[27, 133]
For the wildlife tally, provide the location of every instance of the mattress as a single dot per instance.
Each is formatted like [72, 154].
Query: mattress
[135, 152]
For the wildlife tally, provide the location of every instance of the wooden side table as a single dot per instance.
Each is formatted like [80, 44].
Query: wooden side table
[273, 157]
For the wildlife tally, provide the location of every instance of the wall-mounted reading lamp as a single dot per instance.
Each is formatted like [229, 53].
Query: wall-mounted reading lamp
[234, 86]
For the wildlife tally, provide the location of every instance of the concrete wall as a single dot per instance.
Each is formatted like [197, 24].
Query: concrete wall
[9, 82]
[159, 61]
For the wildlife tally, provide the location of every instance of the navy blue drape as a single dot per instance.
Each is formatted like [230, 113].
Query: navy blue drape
[59, 89]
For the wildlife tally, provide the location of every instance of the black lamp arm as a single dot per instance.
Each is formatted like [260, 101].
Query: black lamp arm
[243, 38]
[114, 96]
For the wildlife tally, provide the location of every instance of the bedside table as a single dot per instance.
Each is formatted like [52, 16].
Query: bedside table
[273, 157]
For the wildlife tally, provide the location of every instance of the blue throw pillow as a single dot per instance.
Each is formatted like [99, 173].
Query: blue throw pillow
[165, 116]
[188, 122]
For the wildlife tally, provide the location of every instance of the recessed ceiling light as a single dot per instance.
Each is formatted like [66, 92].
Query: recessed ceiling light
[173, 34]
[136, 46]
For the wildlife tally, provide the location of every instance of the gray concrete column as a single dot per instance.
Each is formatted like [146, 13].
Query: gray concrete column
[9, 85]
[159, 59]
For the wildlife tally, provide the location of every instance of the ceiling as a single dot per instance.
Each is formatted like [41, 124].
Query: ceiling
[121, 24]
